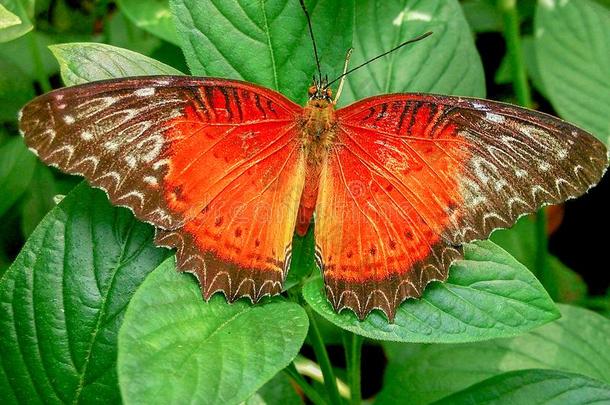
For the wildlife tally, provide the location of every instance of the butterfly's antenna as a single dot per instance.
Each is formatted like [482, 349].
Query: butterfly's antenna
[313, 40]
[419, 38]
[340, 88]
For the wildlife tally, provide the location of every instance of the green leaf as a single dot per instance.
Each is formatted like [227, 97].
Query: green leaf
[488, 295]
[505, 72]
[7, 19]
[573, 52]
[174, 347]
[84, 62]
[22, 46]
[562, 283]
[446, 62]
[38, 199]
[14, 21]
[15, 90]
[152, 16]
[549, 387]
[264, 42]
[421, 374]
[63, 299]
[482, 15]
[303, 261]
[16, 169]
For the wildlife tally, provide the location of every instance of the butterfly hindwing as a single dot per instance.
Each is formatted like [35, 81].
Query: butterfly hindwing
[214, 164]
[412, 177]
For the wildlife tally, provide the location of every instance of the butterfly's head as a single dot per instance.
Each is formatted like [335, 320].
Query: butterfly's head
[319, 90]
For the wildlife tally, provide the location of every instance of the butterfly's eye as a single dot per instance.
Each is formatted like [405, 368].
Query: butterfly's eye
[329, 93]
[312, 91]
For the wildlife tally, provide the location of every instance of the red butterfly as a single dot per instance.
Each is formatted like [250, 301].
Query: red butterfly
[227, 170]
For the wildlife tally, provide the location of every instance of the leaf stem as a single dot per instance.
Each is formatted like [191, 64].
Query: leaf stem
[319, 349]
[353, 353]
[41, 76]
[308, 390]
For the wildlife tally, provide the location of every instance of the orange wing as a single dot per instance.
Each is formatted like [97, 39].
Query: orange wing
[413, 177]
[214, 164]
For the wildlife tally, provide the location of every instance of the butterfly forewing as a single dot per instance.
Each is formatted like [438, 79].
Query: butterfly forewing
[412, 177]
[213, 163]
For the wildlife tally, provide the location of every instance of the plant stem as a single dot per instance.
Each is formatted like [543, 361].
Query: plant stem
[522, 90]
[319, 349]
[41, 76]
[512, 37]
[353, 352]
[308, 390]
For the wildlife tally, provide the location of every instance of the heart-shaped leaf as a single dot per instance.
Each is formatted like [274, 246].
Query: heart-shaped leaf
[63, 299]
[175, 348]
[264, 42]
[572, 48]
[578, 342]
[488, 295]
[447, 62]
[549, 387]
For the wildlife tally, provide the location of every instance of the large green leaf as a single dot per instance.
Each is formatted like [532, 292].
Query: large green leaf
[84, 62]
[63, 299]
[264, 42]
[176, 348]
[14, 21]
[447, 62]
[488, 295]
[573, 51]
[549, 387]
[578, 342]
[16, 170]
[152, 16]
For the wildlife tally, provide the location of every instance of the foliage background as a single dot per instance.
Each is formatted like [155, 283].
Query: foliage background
[90, 311]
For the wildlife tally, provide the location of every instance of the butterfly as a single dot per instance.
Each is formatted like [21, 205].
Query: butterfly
[227, 171]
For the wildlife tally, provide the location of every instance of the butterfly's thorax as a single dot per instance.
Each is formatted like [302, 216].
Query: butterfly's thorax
[317, 135]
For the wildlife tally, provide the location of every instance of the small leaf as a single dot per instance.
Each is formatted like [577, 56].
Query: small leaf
[16, 170]
[7, 19]
[84, 62]
[264, 42]
[62, 301]
[549, 387]
[488, 295]
[152, 16]
[446, 62]
[572, 48]
[578, 342]
[175, 348]
[14, 21]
